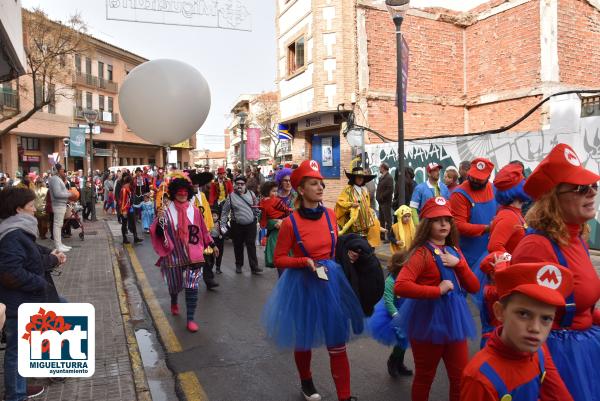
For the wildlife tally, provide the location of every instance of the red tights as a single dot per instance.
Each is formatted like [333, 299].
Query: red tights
[427, 357]
[340, 368]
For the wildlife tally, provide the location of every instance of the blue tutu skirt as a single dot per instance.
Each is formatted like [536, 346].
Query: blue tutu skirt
[439, 321]
[382, 328]
[576, 355]
[305, 312]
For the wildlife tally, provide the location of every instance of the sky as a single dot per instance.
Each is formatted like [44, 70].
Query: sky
[233, 62]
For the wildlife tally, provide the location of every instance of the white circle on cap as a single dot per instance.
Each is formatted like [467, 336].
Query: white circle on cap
[572, 157]
[314, 165]
[506, 256]
[480, 166]
[549, 276]
[440, 201]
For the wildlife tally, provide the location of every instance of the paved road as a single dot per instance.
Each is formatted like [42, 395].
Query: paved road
[233, 360]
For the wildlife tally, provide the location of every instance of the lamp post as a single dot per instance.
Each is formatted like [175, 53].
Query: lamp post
[242, 120]
[397, 9]
[91, 116]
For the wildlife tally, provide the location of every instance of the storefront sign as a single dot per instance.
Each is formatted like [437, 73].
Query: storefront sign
[324, 120]
[102, 152]
[76, 142]
[31, 159]
[253, 143]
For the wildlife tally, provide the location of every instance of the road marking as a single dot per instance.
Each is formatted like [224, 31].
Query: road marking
[165, 330]
[191, 387]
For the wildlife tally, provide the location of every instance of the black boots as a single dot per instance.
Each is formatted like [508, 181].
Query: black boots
[395, 364]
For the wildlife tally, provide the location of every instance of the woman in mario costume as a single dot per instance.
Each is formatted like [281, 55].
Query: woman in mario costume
[435, 315]
[312, 304]
[564, 192]
[179, 237]
[514, 366]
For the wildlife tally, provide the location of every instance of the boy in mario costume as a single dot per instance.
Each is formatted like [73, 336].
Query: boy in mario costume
[514, 365]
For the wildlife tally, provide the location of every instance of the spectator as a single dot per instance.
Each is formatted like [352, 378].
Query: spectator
[385, 193]
[87, 200]
[409, 187]
[59, 196]
[463, 171]
[451, 178]
[41, 193]
[431, 188]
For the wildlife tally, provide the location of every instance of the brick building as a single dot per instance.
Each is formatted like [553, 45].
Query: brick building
[468, 71]
[97, 75]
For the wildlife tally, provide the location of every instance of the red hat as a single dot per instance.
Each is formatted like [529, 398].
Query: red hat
[433, 166]
[221, 170]
[308, 168]
[435, 207]
[287, 165]
[561, 165]
[481, 169]
[509, 177]
[546, 282]
[489, 265]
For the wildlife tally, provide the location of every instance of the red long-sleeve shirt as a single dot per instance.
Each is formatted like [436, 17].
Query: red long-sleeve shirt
[507, 230]
[420, 277]
[461, 208]
[515, 368]
[586, 284]
[315, 237]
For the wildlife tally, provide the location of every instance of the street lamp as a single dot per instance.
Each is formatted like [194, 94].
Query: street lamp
[242, 120]
[91, 116]
[397, 9]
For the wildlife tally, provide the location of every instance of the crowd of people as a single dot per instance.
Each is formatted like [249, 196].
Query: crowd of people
[516, 244]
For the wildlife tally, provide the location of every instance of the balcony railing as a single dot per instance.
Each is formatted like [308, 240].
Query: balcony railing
[104, 117]
[80, 78]
[9, 99]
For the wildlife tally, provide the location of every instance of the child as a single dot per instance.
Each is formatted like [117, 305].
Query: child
[109, 203]
[383, 324]
[147, 207]
[489, 265]
[436, 317]
[274, 210]
[515, 364]
[403, 232]
[217, 236]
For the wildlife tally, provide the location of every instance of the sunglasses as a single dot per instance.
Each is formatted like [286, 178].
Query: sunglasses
[582, 189]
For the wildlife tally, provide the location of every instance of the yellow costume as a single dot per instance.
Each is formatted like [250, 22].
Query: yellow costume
[374, 234]
[403, 233]
[363, 220]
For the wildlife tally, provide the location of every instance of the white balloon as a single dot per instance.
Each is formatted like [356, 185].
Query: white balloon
[164, 101]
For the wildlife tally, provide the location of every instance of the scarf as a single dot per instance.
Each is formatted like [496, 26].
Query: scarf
[310, 213]
[19, 221]
[182, 219]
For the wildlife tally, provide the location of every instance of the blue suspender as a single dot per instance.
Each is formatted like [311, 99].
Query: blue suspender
[299, 239]
[466, 195]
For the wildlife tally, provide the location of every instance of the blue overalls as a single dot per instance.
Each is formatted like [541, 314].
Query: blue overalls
[525, 392]
[475, 248]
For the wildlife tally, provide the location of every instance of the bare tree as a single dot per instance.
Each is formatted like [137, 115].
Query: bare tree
[266, 115]
[49, 48]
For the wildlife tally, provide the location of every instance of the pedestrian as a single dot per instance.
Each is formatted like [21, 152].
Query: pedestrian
[430, 188]
[126, 207]
[252, 182]
[564, 193]
[285, 191]
[109, 203]
[463, 171]
[87, 200]
[355, 196]
[312, 303]
[508, 227]
[23, 267]
[41, 194]
[108, 185]
[218, 238]
[515, 364]
[220, 188]
[451, 178]
[435, 315]
[273, 211]
[402, 233]
[384, 324]
[229, 174]
[474, 206]
[59, 196]
[241, 209]
[147, 207]
[409, 188]
[384, 195]
[179, 237]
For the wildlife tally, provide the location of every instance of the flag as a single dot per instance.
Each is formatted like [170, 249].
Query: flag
[284, 132]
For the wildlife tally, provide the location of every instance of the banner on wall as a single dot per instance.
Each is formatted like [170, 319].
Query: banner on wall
[253, 143]
[327, 151]
[77, 141]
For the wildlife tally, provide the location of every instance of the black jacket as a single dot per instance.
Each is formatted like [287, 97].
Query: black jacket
[385, 190]
[365, 275]
[24, 269]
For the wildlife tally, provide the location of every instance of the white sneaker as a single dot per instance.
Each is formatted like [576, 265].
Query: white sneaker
[64, 248]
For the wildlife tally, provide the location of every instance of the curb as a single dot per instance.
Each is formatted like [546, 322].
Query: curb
[142, 390]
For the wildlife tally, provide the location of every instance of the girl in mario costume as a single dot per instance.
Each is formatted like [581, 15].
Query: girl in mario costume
[435, 315]
[564, 192]
[312, 304]
[179, 237]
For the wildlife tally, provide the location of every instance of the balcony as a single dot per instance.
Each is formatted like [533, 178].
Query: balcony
[91, 81]
[104, 117]
[9, 99]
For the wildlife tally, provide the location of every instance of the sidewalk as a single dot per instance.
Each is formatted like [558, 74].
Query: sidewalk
[88, 276]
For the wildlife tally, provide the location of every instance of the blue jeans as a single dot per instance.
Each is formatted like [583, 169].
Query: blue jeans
[15, 385]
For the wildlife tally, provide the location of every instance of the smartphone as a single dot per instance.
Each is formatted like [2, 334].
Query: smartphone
[321, 273]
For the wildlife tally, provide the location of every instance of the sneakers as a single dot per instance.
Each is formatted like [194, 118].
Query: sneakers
[218, 270]
[309, 391]
[238, 269]
[257, 270]
[63, 248]
[192, 326]
[210, 284]
[126, 241]
[137, 240]
[174, 309]
[34, 391]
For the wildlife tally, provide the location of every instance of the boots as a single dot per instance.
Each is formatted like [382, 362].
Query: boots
[395, 363]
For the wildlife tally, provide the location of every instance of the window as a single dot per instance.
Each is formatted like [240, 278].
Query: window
[28, 143]
[101, 104]
[110, 104]
[78, 63]
[88, 100]
[78, 98]
[52, 98]
[100, 69]
[88, 65]
[296, 56]
[109, 72]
